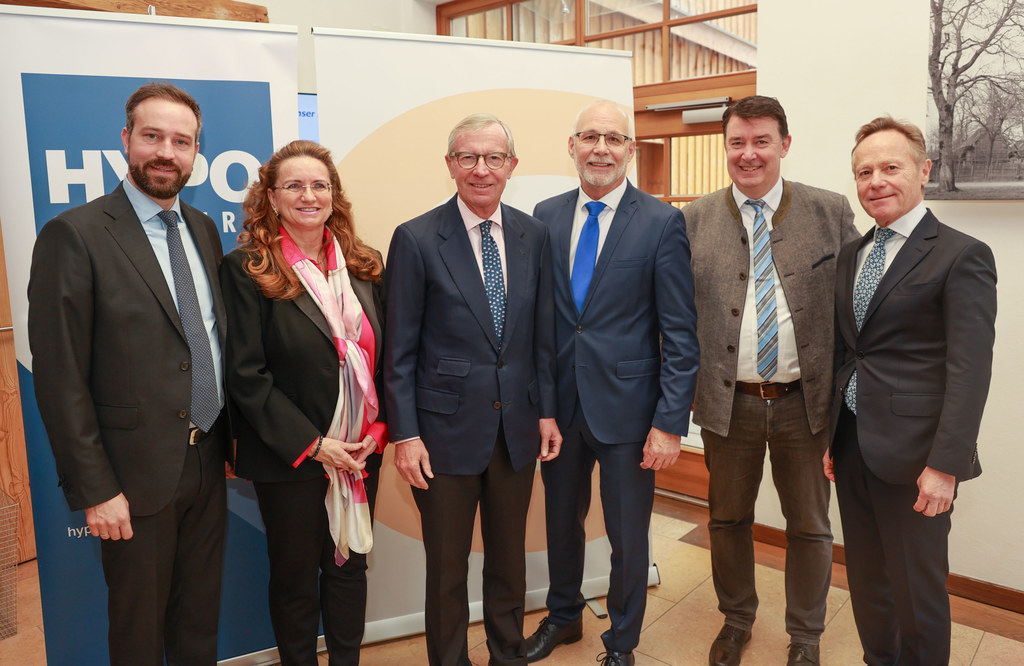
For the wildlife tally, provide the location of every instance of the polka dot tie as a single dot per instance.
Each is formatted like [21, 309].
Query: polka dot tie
[764, 295]
[494, 282]
[867, 282]
[586, 254]
[205, 398]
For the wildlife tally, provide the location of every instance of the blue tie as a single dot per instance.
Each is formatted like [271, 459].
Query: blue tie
[867, 282]
[764, 295]
[205, 397]
[586, 254]
[494, 283]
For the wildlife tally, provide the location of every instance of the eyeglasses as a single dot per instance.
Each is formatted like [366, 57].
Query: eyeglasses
[611, 139]
[493, 161]
[296, 189]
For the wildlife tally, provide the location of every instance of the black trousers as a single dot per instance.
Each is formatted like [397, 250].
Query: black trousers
[896, 561]
[163, 584]
[447, 511]
[305, 582]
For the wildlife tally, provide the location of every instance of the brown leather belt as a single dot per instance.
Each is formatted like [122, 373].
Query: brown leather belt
[768, 390]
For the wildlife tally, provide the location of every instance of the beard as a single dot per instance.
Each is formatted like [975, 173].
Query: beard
[160, 187]
[600, 179]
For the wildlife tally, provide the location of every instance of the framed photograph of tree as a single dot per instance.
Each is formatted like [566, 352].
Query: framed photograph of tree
[975, 128]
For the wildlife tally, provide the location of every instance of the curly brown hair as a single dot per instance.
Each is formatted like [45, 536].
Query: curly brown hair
[261, 239]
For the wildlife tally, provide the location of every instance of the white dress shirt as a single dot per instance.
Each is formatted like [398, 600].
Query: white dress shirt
[604, 219]
[788, 368]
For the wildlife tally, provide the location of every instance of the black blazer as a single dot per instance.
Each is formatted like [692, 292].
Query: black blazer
[110, 360]
[923, 356]
[281, 371]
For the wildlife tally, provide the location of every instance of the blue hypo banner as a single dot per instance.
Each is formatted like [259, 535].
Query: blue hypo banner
[73, 128]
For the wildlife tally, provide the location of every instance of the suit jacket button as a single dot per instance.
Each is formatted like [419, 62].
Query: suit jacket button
[735, 312]
[183, 414]
[860, 354]
[743, 276]
[501, 364]
[743, 239]
[731, 348]
[497, 404]
[184, 366]
[579, 329]
[728, 383]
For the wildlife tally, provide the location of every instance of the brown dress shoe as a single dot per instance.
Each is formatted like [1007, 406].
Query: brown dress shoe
[726, 649]
[802, 653]
[549, 636]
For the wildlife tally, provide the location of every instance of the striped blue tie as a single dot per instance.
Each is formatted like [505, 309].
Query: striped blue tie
[764, 295]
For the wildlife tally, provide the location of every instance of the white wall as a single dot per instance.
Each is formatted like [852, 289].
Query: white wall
[834, 66]
[416, 16]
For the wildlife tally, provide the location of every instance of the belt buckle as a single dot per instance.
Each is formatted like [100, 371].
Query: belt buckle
[193, 436]
[760, 388]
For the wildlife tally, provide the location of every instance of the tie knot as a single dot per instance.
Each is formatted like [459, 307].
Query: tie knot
[756, 204]
[485, 227]
[594, 207]
[169, 217]
[882, 235]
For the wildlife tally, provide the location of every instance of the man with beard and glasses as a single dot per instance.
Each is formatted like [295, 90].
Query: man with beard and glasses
[126, 324]
[626, 344]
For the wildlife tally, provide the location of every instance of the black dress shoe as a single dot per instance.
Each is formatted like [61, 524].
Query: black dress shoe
[726, 649]
[549, 636]
[613, 658]
[802, 653]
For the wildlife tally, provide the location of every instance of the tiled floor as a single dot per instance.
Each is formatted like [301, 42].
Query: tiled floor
[681, 621]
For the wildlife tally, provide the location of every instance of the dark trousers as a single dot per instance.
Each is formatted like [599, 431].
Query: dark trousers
[736, 464]
[896, 561]
[163, 584]
[627, 497]
[305, 582]
[447, 512]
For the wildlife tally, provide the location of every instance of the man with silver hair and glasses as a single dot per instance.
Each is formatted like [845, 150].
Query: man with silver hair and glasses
[469, 383]
[626, 338]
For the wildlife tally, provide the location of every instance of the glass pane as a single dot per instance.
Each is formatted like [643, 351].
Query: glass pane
[544, 21]
[698, 165]
[483, 25]
[681, 8]
[646, 48]
[650, 166]
[608, 15]
[713, 47]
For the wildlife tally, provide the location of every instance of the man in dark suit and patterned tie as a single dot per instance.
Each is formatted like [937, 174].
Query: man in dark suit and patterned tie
[126, 324]
[915, 324]
[764, 258]
[627, 360]
[468, 374]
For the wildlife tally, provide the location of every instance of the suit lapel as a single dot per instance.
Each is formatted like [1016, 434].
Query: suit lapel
[517, 263]
[127, 232]
[561, 238]
[845, 275]
[308, 306]
[917, 246]
[457, 255]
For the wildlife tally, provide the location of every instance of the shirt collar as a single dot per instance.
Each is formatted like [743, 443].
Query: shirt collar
[906, 224]
[145, 208]
[772, 199]
[611, 200]
[471, 219]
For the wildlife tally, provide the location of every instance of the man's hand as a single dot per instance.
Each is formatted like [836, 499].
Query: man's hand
[934, 492]
[826, 462]
[660, 450]
[110, 519]
[413, 462]
[550, 440]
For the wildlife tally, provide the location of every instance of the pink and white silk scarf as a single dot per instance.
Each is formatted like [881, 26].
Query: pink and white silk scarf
[347, 509]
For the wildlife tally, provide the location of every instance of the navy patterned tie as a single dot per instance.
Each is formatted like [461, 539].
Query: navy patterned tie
[586, 254]
[764, 295]
[205, 398]
[867, 282]
[494, 283]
